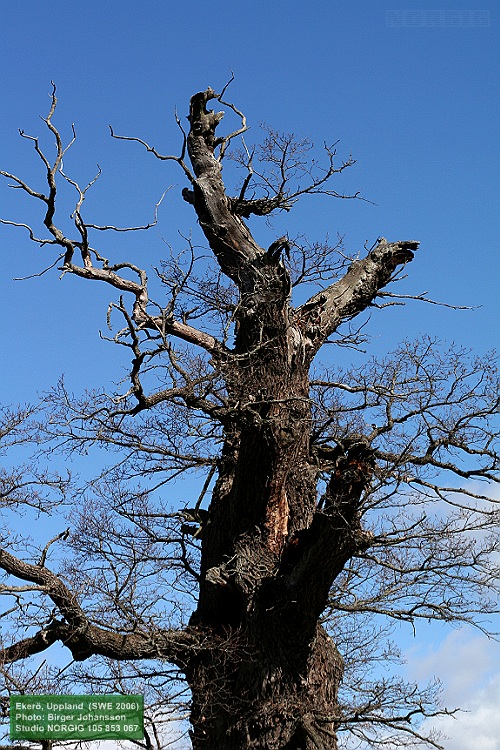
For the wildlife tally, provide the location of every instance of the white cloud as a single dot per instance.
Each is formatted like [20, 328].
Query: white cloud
[468, 665]
[478, 727]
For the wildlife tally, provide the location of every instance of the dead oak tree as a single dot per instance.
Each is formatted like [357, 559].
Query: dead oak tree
[336, 497]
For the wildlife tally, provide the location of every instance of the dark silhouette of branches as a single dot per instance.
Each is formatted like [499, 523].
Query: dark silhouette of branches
[325, 503]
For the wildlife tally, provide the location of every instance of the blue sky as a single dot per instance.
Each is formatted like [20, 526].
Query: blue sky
[417, 108]
[416, 105]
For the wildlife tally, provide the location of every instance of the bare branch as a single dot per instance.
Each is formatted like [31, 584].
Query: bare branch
[78, 634]
[423, 298]
[32, 235]
[321, 315]
[151, 149]
[132, 229]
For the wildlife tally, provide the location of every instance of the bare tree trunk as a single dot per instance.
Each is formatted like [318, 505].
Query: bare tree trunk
[278, 671]
[268, 556]
[267, 695]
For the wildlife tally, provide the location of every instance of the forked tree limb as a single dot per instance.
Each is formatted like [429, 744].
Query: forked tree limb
[323, 313]
[82, 637]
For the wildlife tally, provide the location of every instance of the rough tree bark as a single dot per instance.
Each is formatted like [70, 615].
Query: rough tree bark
[269, 556]
[263, 671]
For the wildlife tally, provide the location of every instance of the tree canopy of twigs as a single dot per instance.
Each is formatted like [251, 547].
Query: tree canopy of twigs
[331, 502]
